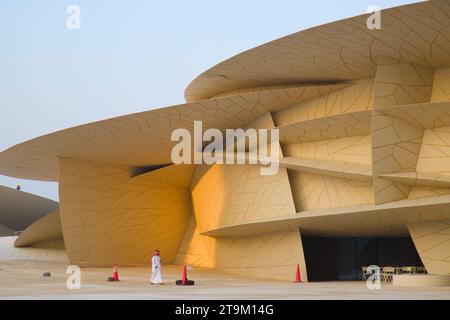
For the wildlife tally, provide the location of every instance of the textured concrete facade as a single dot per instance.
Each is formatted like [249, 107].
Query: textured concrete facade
[108, 216]
[44, 233]
[364, 123]
[432, 240]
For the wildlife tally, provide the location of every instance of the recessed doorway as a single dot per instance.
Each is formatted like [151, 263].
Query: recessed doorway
[334, 259]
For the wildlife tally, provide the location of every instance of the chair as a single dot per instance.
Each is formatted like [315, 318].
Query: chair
[387, 274]
[409, 270]
[421, 270]
[372, 270]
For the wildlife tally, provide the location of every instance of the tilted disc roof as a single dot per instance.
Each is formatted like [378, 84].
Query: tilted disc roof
[342, 50]
[19, 209]
[234, 93]
[144, 139]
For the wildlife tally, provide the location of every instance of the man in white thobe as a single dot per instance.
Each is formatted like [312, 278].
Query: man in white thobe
[156, 268]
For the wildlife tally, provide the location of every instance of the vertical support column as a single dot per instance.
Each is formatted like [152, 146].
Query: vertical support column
[109, 217]
[432, 241]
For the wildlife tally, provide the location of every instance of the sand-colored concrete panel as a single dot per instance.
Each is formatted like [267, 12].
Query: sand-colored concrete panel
[396, 143]
[395, 148]
[108, 217]
[227, 195]
[423, 115]
[401, 83]
[273, 255]
[422, 192]
[42, 232]
[432, 241]
[385, 220]
[231, 194]
[303, 92]
[351, 99]
[265, 121]
[195, 249]
[420, 179]
[337, 169]
[434, 157]
[441, 85]
[314, 192]
[333, 127]
[355, 149]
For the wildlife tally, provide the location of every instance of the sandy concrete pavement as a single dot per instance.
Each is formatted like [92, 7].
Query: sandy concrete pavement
[22, 279]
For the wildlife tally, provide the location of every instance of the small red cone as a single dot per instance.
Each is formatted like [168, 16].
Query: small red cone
[116, 273]
[298, 278]
[184, 279]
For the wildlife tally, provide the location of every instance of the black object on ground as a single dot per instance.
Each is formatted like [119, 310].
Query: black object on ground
[188, 283]
[46, 274]
[110, 279]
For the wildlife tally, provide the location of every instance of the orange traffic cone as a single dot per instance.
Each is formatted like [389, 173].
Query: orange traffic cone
[116, 273]
[184, 279]
[298, 278]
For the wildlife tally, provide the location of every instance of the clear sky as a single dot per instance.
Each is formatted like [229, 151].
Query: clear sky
[129, 56]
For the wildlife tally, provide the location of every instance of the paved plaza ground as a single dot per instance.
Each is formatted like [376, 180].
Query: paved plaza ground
[22, 279]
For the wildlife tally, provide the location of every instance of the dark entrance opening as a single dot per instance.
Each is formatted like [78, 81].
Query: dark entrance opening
[331, 259]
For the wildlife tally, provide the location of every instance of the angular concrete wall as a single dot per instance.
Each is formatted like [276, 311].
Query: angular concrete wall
[356, 96]
[231, 195]
[44, 233]
[108, 217]
[269, 255]
[441, 85]
[432, 241]
[226, 195]
[396, 143]
[195, 249]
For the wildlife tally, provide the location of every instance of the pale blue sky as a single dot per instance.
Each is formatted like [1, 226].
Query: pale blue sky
[129, 56]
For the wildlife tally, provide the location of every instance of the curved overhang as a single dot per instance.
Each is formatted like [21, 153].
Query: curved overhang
[47, 228]
[19, 209]
[144, 139]
[390, 220]
[338, 51]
